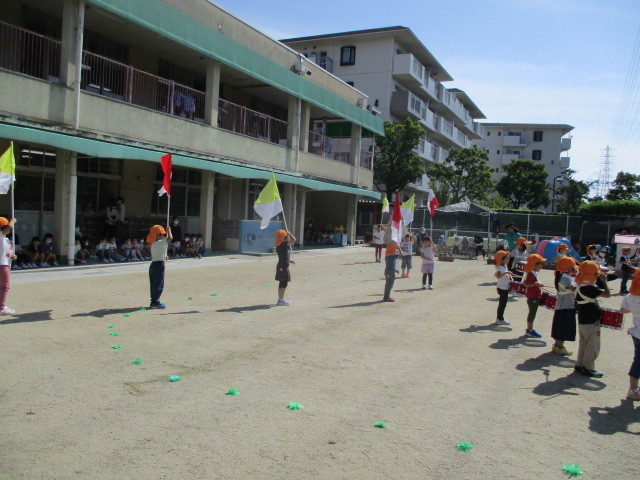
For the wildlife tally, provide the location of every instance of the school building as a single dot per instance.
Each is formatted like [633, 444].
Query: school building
[94, 92]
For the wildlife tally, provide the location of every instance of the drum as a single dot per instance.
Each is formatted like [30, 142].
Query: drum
[611, 318]
[517, 287]
[520, 266]
[548, 300]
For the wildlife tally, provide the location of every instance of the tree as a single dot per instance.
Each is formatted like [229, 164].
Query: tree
[571, 194]
[464, 175]
[395, 164]
[496, 203]
[524, 183]
[620, 208]
[626, 186]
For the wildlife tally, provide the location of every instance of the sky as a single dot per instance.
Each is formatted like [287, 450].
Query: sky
[523, 61]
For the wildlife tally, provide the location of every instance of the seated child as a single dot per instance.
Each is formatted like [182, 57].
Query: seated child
[199, 246]
[85, 248]
[103, 252]
[47, 250]
[113, 248]
[187, 249]
[78, 256]
[33, 252]
[127, 250]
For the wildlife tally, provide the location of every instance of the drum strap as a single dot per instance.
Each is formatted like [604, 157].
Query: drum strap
[585, 299]
[563, 290]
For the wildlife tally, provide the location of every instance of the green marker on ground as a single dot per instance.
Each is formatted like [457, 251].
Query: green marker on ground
[294, 406]
[116, 347]
[137, 361]
[464, 446]
[380, 425]
[174, 378]
[110, 325]
[114, 334]
[232, 391]
[127, 315]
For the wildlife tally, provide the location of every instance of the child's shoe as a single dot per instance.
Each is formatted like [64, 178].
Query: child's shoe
[561, 350]
[407, 275]
[532, 333]
[15, 266]
[389, 299]
[282, 302]
[7, 311]
[424, 287]
[430, 287]
[157, 305]
[105, 261]
[594, 373]
[502, 322]
[634, 393]
[55, 264]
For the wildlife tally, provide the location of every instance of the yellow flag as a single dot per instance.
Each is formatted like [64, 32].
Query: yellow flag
[7, 170]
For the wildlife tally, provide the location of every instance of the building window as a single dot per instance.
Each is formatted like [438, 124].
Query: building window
[536, 154]
[498, 152]
[185, 193]
[35, 178]
[99, 181]
[348, 55]
[351, 83]
[499, 134]
[488, 134]
[497, 169]
[537, 136]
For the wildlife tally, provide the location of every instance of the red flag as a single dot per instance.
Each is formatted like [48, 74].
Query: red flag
[396, 220]
[165, 163]
[432, 202]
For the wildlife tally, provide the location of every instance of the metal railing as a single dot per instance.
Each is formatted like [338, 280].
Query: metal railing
[338, 149]
[242, 120]
[29, 53]
[366, 159]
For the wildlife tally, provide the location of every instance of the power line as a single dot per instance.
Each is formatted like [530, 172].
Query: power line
[604, 181]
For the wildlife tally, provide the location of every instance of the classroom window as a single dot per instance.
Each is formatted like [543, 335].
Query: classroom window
[348, 55]
[185, 193]
[536, 154]
[537, 136]
[499, 134]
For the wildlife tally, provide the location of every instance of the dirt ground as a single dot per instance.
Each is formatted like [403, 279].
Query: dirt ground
[431, 366]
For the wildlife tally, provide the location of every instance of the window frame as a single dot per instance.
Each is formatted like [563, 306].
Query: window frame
[351, 49]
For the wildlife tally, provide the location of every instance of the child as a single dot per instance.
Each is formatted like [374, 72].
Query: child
[407, 250]
[592, 252]
[144, 248]
[457, 243]
[519, 255]
[563, 328]
[187, 249]
[198, 245]
[103, 252]
[478, 241]
[591, 284]
[34, 253]
[378, 242]
[47, 250]
[504, 277]
[136, 249]
[78, 255]
[6, 257]
[562, 250]
[534, 290]
[284, 240]
[113, 250]
[127, 250]
[631, 304]
[18, 263]
[625, 268]
[159, 244]
[391, 257]
[85, 248]
[428, 254]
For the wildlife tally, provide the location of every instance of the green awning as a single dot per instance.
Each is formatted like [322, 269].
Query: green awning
[100, 148]
[161, 18]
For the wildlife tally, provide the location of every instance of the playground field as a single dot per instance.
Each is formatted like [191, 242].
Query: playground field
[431, 366]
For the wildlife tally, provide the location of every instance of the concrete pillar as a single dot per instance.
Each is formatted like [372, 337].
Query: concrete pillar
[299, 223]
[305, 120]
[206, 208]
[287, 205]
[65, 204]
[67, 53]
[212, 93]
[356, 142]
[352, 204]
[292, 122]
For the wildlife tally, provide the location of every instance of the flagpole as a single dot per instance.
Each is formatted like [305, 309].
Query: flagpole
[168, 206]
[13, 208]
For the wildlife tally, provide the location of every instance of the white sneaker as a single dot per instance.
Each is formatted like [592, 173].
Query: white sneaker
[105, 261]
[502, 322]
[424, 287]
[55, 264]
[430, 287]
[7, 311]
[282, 302]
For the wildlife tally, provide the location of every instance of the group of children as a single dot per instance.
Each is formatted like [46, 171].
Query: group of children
[578, 287]
[38, 254]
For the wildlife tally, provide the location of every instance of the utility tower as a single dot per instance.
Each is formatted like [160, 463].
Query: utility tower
[604, 181]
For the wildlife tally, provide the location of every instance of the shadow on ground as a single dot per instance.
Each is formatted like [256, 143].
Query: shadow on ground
[248, 308]
[492, 327]
[359, 304]
[562, 385]
[611, 420]
[103, 312]
[545, 360]
[28, 317]
[506, 343]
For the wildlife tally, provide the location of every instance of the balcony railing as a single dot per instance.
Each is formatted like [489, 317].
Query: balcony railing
[29, 53]
[242, 120]
[38, 56]
[338, 149]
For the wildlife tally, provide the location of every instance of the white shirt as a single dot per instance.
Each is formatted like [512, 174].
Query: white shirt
[632, 303]
[566, 298]
[378, 237]
[503, 282]
[159, 250]
[121, 212]
[6, 250]
[427, 254]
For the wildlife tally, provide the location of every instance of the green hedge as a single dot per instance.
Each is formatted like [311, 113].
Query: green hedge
[620, 208]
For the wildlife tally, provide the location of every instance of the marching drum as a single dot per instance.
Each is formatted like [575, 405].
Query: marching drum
[517, 287]
[611, 318]
[520, 266]
[548, 300]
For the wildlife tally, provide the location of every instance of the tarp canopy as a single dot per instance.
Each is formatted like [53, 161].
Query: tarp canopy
[466, 207]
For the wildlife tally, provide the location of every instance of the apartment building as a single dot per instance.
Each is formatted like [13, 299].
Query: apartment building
[544, 143]
[94, 92]
[402, 79]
